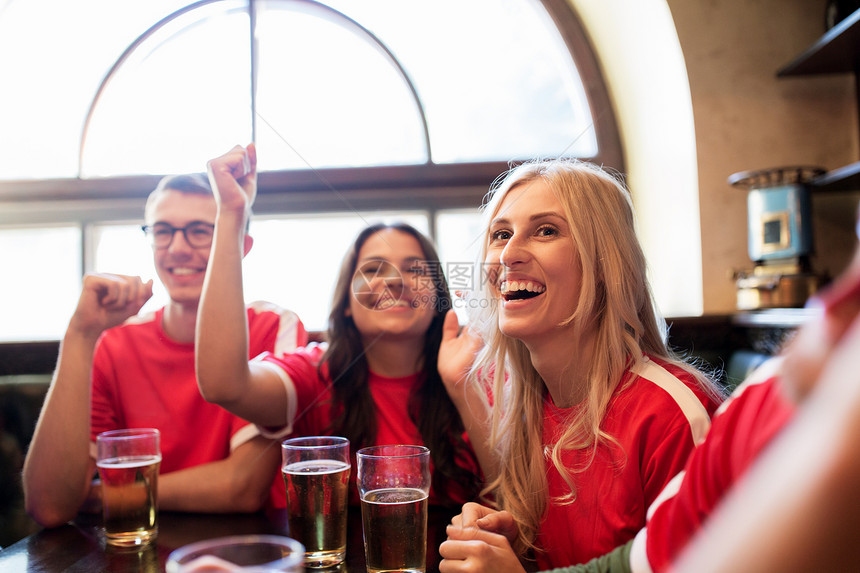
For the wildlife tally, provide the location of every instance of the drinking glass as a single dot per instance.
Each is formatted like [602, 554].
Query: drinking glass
[394, 484]
[248, 553]
[128, 462]
[316, 473]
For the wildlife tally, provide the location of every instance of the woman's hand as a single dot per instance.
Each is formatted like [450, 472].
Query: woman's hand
[233, 177]
[457, 353]
[479, 539]
[486, 518]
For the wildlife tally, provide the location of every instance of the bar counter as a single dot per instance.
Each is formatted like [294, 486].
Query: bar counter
[79, 546]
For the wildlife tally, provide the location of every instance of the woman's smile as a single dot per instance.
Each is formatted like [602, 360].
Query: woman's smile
[538, 275]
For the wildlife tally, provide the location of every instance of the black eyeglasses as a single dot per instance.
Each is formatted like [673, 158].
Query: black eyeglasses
[197, 234]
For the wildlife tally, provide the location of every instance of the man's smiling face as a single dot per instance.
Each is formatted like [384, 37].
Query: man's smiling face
[180, 266]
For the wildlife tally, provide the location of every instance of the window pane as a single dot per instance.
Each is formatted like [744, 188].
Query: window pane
[42, 284]
[123, 249]
[181, 98]
[295, 261]
[327, 96]
[500, 84]
[459, 238]
[58, 52]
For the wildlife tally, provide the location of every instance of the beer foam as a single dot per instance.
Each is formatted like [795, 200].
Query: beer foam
[315, 467]
[394, 496]
[128, 462]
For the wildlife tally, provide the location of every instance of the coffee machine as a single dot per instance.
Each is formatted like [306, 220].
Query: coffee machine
[779, 238]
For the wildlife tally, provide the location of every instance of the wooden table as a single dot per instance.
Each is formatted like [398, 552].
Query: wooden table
[78, 546]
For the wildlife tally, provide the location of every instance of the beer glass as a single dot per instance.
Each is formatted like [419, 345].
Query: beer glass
[128, 461]
[316, 474]
[257, 553]
[394, 484]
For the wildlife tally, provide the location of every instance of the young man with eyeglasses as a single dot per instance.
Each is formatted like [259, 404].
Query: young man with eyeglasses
[118, 369]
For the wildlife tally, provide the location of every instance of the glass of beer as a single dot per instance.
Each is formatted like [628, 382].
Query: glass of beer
[258, 553]
[316, 473]
[128, 462]
[394, 484]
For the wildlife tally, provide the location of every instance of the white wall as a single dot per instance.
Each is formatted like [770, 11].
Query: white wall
[642, 63]
[697, 98]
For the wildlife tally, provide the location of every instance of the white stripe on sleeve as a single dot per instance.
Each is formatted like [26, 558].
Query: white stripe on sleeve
[684, 397]
[292, 403]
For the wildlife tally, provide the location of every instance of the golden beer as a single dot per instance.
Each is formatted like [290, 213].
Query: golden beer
[395, 529]
[317, 508]
[129, 498]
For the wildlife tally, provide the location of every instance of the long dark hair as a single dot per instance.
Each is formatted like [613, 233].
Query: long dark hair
[430, 407]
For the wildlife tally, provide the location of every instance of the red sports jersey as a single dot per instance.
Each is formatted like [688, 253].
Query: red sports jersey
[142, 379]
[655, 420]
[743, 426]
[312, 415]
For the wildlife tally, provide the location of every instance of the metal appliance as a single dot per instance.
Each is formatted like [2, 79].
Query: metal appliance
[779, 238]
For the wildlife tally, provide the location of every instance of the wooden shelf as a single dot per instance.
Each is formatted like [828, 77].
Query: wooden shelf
[843, 179]
[838, 51]
[774, 317]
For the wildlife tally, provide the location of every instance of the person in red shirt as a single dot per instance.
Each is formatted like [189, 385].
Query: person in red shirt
[797, 509]
[773, 487]
[375, 382]
[773, 451]
[118, 369]
[593, 414]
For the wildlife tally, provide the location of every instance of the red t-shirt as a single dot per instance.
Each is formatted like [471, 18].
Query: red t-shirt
[143, 379]
[745, 424]
[313, 414]
[656, 419]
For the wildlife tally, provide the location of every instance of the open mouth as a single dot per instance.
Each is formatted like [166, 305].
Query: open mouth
[387, 301]
[184, 271]
[520, 290]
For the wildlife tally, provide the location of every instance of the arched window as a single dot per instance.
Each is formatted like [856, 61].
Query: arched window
[340, 83]
[357, 107]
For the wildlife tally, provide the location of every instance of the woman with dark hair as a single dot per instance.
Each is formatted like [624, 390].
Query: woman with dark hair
[376, 382]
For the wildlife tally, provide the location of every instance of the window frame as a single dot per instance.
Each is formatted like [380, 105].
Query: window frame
[437, 184]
